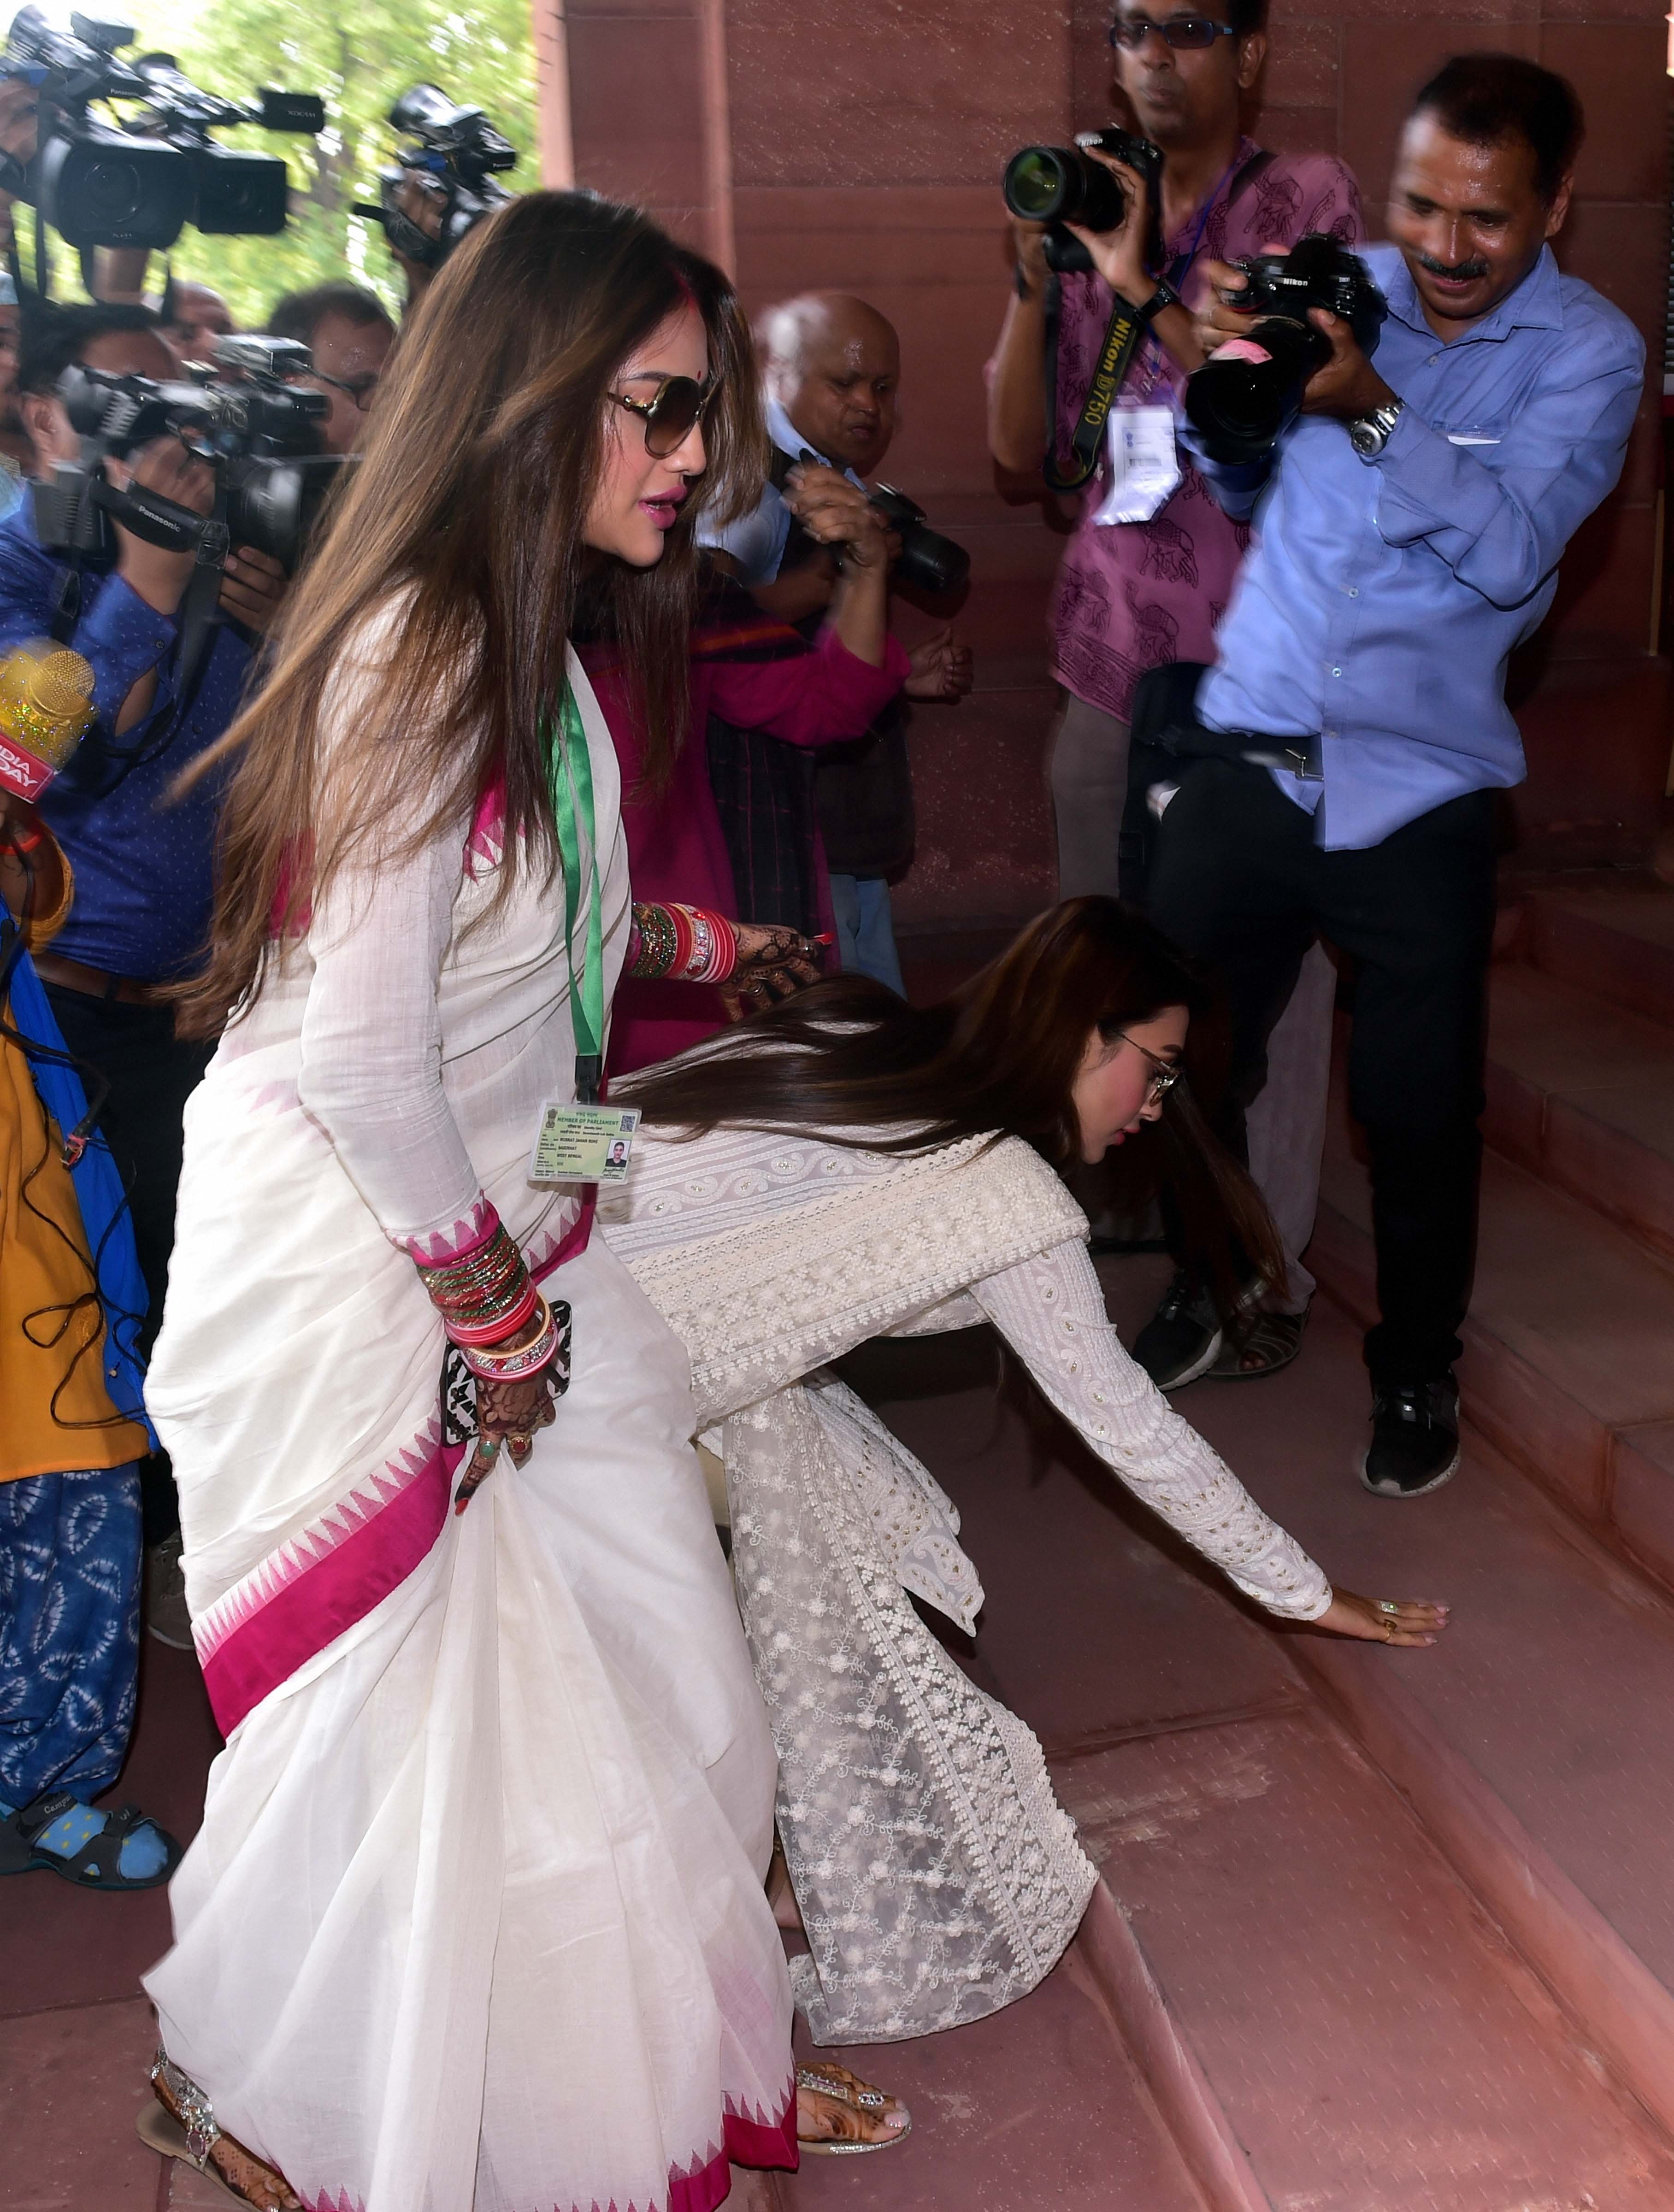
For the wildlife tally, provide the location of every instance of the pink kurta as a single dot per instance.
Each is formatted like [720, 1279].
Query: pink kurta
[1132, 595]
[676, 847]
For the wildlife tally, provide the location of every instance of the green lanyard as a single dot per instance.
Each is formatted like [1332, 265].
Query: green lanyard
[570, 776]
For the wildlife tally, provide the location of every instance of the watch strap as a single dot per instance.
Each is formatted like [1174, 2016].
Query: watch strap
[1164, 296]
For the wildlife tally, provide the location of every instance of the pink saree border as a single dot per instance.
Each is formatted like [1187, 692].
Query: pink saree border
[318, 1583]
[697, 2188]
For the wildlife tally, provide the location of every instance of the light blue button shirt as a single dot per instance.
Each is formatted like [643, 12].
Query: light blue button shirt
[1380, 600]
[757, 540]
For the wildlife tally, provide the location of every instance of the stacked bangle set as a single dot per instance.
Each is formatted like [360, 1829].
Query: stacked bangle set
[686, 943]
[485, 1295]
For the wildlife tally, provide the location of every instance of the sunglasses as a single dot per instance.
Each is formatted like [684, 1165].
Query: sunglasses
[360, 389]
[671, 417]
[1182, 33]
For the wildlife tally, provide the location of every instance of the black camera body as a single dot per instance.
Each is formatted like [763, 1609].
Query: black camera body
[928, 562]
[460, 153]
[1058, 185]
[139, 184]
[1249, 392]
[259, 434]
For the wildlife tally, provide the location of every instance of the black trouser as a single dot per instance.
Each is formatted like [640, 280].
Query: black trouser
[150, 1072]
[1239, 880]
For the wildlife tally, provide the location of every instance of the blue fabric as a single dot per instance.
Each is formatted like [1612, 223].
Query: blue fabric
[866, 930]
[99, 1194]
[69, 1579]
[1381, 598]
[142, 866]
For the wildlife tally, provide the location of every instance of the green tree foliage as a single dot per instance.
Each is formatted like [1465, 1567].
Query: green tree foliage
[359, 55]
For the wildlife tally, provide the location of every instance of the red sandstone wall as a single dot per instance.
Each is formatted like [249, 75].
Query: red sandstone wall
[807, 145]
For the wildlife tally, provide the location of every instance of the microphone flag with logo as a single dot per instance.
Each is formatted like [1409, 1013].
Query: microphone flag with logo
[46, 706]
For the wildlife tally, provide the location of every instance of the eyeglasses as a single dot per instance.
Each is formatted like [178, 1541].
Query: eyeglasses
[671, 417]
[360, 389]
[1182, 33]
[1165, 1074]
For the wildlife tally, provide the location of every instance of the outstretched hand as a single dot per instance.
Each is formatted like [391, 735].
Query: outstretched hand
[1404, 1621]
[940, 668]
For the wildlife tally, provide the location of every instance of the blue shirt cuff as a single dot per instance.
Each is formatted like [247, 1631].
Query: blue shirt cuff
[123, 639]
[1428, 483]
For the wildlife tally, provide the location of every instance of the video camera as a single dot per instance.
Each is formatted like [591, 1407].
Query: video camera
[1056, 185]
[1249, 392]
[460, 152]
[258, 433]
[138, 183]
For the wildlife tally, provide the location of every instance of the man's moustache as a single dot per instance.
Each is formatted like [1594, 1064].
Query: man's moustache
[1459, 272]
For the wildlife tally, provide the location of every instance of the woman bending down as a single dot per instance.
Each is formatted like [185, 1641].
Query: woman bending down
[846, 1167]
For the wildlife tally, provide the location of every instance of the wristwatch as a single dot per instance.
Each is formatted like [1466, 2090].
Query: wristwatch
[1370, 433]
[1164, 296]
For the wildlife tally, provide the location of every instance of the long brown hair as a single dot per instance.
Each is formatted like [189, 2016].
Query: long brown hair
[1001, 1053]
[470, 498]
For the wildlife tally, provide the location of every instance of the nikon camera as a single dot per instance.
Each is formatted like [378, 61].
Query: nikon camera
[1249, 392]
[1056, 185]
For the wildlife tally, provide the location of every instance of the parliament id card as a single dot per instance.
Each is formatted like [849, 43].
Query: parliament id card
[1141, 468]
[583, 1143]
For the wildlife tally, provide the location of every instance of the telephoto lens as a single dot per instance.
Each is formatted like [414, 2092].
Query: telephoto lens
[1059, 184]
[1249, 392]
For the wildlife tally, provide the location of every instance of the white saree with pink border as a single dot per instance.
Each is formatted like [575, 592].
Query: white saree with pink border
[476, 1916]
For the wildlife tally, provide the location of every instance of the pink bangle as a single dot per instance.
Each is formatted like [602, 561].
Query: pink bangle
[502, 1325]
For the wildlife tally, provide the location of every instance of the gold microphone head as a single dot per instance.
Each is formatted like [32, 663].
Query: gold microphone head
[45, 701]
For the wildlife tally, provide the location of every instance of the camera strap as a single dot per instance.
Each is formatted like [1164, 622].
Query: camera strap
[1115, 355]
[1116, 358]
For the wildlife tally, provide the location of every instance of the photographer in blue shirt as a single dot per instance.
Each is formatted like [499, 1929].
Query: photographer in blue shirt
[1409, 529]
[142, 864]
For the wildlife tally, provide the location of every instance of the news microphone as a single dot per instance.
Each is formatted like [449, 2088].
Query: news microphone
[46, 706]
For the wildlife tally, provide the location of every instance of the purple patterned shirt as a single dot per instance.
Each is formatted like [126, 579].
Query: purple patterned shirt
[1131, 595]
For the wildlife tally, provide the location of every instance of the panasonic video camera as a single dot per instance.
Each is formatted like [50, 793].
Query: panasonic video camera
[458, 154]
[137, 179]
[259, 434]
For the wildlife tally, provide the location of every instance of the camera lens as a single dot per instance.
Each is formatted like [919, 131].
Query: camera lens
[1036, 184]
[113, 192]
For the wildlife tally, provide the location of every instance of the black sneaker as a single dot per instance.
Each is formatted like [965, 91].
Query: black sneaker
[1183, 1338]
[1414, 1437]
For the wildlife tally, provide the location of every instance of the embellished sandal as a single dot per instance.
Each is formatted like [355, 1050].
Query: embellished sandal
[1259, 1344]
[182, 2124]
[844, 2088]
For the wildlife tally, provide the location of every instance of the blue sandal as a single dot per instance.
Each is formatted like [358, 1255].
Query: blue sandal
[58, 1834]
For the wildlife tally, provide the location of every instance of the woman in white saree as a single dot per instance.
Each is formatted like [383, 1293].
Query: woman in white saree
[476, 1916]
[849, 1167]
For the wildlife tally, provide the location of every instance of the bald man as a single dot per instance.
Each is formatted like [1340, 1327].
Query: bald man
[832, 365]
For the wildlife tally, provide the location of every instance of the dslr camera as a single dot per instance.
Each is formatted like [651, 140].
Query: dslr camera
[258, 432]
[139, 181]
[928, 562]
[1247, 394]
[1056, 185]
[460, 153]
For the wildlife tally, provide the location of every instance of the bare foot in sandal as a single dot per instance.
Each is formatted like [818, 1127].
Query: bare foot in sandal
[839, 2115]
[246, 2177]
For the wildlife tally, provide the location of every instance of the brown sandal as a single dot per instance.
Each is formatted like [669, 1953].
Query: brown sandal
[182, 2124]
[844, 2088]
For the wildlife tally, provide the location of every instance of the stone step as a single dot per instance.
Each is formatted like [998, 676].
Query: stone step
[1569, 1343]
[1318, 2005]
[1535, 1740]
[1580, 1092]
[1614, 941]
